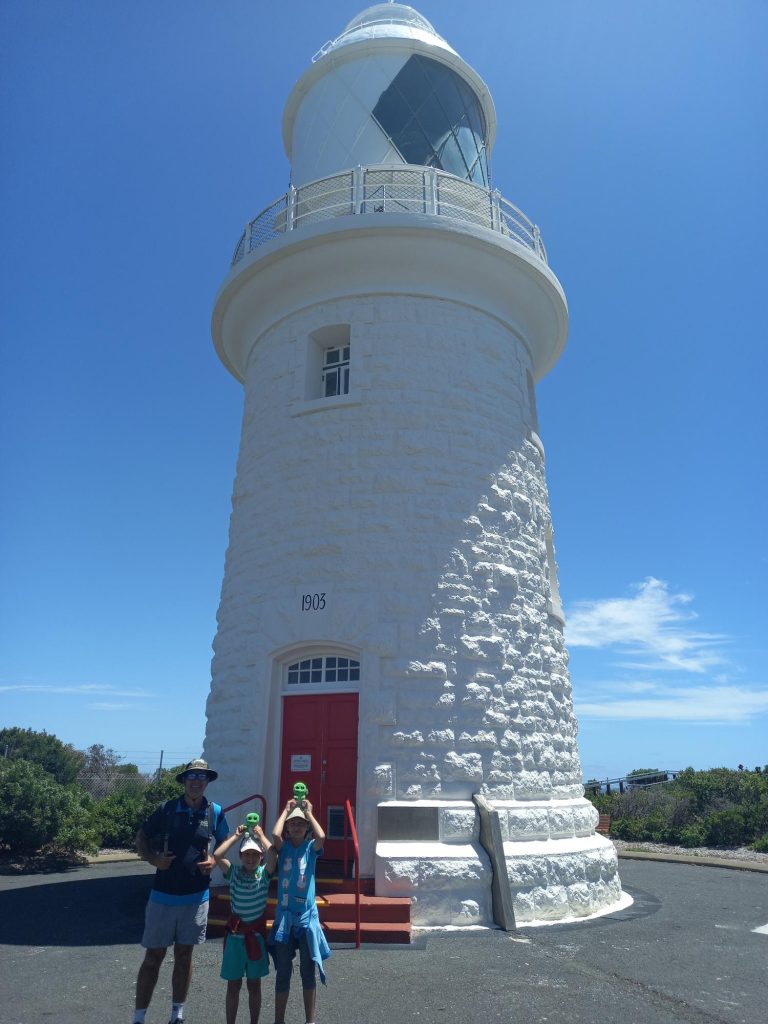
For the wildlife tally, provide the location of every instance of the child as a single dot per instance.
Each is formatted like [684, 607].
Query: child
[244, 950]
[297, 924]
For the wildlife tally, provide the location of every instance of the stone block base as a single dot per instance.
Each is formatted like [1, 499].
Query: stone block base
[563, 879]
[559, 869]
[450, 884]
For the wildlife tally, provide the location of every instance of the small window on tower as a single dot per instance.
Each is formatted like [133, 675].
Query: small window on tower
[328, 363]
[336, 372]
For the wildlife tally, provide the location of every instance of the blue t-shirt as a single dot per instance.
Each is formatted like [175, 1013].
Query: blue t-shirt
[296, 876]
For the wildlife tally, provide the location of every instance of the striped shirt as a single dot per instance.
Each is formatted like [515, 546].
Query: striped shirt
[248, 893]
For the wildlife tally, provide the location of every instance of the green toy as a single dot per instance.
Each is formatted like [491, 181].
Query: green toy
[251, 821]
[300, 793]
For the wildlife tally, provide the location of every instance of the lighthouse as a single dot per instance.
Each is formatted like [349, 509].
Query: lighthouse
[390, 630]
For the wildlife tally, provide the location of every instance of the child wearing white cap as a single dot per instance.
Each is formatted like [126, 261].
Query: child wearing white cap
[244, 949]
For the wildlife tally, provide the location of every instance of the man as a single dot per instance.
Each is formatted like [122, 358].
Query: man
[176, 839]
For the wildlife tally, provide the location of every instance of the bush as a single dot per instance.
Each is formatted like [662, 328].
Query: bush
[719, 807]
[760, 844]
[692, 835]
[59, 759]
[725, 828]
[37, 815]
[118, 818]
[163, 787]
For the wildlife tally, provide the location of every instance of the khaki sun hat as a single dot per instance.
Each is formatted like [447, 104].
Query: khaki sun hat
[198, 765]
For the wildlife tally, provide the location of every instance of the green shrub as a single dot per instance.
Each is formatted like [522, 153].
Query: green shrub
[692, 835]
[39, 815]
[60, 760]
[725, 828]
[760, 844]
[163, 787]
[117, 819]
[718, 807]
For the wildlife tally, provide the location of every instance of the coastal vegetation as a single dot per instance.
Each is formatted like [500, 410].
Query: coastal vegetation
[719, 807]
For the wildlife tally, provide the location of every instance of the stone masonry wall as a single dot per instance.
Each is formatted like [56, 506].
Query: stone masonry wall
[419, 506]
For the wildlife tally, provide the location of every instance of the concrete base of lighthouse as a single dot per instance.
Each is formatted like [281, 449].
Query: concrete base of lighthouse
[558, 868]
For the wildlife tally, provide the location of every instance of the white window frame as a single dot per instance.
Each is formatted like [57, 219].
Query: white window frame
[335, 371]
[317, 661]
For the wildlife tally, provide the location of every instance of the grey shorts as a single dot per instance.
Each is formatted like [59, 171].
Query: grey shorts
[164, 925]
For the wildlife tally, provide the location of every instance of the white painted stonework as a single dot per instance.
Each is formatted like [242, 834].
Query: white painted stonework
[418, 505]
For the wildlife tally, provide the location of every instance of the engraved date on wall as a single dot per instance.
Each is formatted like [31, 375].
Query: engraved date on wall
[312, 602]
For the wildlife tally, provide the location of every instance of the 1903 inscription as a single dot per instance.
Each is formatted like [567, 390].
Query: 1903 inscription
[312, 602]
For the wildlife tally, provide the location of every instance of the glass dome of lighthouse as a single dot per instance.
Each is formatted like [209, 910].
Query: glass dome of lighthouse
[389, 90]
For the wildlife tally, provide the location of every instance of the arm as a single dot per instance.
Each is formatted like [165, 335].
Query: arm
[270, 852]
[270, 860]
[277, 828]
[317, 831]
[161, 861]
[223, 848]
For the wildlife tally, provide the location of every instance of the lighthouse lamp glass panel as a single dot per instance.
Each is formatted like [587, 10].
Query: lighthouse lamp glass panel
[433, 118]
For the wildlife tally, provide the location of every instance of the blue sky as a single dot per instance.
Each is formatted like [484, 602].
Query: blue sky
[139, 138]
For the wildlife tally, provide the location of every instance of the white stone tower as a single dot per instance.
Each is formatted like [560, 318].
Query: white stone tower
[390, 630]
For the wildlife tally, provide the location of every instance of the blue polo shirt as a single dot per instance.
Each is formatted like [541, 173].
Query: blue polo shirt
[189, 833]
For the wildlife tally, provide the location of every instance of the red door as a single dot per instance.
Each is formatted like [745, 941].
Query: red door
[320, 749]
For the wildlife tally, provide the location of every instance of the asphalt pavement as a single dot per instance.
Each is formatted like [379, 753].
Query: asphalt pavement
[686, 952]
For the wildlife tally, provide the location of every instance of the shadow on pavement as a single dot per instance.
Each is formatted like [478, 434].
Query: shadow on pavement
[96, 911]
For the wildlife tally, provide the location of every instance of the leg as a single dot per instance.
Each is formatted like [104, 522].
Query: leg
[281, 1001]
[309, 1003]
[147, 979]
[233, 1000]
[254, 1000]
[308, 981]
[283, 954]
[182, 972]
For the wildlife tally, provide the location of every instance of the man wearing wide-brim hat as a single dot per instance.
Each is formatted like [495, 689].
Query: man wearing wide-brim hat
[177, 839]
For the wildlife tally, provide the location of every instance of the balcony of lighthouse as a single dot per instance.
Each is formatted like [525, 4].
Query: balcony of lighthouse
[391, 229]
[408, 190]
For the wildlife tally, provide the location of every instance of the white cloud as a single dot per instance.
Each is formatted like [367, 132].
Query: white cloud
[653, 627]
[106, 706]
[82, 690]
[696, 704]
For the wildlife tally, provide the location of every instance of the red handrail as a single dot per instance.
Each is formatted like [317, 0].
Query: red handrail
[247, 800]
[350, 819]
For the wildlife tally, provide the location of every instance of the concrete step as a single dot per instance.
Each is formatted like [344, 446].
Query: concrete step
[385, 933]
[323, 886]
[373, 909]
[383, 919]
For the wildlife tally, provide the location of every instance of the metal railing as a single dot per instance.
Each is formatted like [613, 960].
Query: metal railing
[247, 800]
[383, 189]
[350, 821]
[606, 786]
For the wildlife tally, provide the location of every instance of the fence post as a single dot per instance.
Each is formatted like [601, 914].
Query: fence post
[358, 189]
[537, 240]
[495, 211]
[290, 213]
[430, 198]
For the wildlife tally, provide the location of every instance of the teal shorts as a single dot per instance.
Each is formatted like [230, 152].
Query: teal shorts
[235, 963]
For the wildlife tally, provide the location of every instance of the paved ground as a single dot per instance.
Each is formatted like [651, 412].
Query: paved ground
[685, 953]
